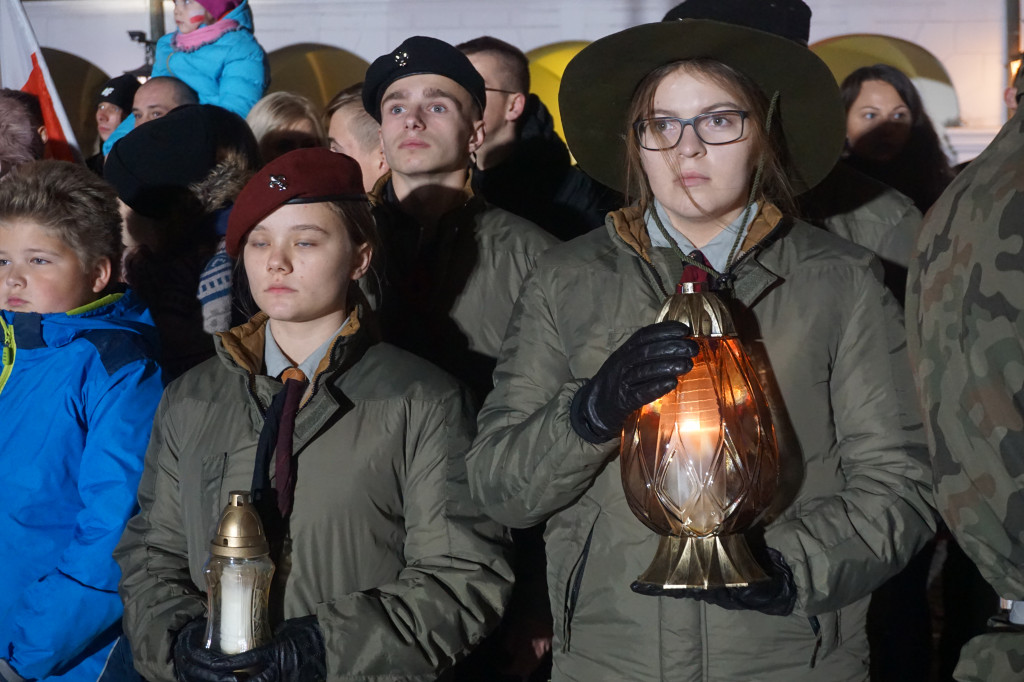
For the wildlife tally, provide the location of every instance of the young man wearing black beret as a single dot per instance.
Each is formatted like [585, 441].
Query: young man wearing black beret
[449, 270]
[451, 264]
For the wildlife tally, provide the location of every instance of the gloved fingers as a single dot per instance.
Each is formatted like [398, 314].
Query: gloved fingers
[201, 674]
[664, 371]
[260, 657]
[664, 330]
[659, 349]
[193, 662]
[268, 674]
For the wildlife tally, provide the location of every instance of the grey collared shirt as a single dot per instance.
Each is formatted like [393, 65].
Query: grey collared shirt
[716, 251]
[277, 362]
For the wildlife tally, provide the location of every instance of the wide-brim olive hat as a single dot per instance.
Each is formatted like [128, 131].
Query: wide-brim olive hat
[598, 86]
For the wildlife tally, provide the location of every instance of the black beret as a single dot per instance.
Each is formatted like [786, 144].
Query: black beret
[419, 55]
[152, 166]
[301, 176]
[787, 18]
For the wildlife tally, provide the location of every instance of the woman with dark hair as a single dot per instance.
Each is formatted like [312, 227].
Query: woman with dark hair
[890, 137]
[717, 127]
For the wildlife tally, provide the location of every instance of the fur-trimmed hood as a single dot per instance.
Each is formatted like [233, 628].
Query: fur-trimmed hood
[222, 184]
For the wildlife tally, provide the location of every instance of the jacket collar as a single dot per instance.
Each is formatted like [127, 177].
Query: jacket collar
[750, 277]
[243, 346]
[383, 194]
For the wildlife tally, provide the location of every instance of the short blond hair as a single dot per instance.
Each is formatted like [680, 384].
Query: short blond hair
[363, 127]
[277, 114]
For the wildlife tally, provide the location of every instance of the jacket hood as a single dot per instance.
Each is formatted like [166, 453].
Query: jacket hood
[119, 311]
[242, 14]
[222, 184]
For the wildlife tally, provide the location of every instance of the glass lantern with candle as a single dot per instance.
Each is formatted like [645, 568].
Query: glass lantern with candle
[238, 575]
[700, 464]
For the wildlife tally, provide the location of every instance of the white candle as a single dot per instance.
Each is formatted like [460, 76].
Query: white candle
[236, 592]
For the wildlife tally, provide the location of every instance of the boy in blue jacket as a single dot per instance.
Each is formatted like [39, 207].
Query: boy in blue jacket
[79, 385]
[215, 53]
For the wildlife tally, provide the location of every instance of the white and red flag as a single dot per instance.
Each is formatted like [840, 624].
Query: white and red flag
[22, 67]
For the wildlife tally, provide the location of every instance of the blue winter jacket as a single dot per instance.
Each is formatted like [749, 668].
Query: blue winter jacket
[231, 72]
[78, 392]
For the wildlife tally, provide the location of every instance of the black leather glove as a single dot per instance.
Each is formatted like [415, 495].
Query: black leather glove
[296, 654]
[193, 662]
[641, 370]
[775, 596]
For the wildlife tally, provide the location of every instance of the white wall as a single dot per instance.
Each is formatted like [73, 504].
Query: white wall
[968, 36]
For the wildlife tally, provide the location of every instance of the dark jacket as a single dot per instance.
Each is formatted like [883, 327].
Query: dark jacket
[538, 181]
[384, 545]
[448, 296]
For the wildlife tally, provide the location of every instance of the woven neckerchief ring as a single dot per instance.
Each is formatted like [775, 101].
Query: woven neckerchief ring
[721, 278]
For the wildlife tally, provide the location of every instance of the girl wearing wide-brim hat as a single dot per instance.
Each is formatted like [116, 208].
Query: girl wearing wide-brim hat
[711, 129]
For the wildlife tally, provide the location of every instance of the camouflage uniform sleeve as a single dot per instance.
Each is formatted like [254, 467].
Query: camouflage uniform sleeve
[966, 331]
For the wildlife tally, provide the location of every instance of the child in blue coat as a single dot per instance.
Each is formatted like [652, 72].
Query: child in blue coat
[215, 53]
[79, 384]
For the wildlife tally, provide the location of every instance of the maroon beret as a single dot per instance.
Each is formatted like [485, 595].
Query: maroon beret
[302, 176]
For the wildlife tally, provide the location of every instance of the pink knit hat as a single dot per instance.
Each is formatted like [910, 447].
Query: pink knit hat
[218, 8]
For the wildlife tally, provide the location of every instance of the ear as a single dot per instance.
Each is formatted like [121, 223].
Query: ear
[382, 163]
[516, 105]
[1010, 98]
[43, 134]
[476, 138]
[361, 261]
[101, 275]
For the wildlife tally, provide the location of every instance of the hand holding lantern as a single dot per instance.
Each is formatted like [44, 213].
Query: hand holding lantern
[699, 464]
[645, 367]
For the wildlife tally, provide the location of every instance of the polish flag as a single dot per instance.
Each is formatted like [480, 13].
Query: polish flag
[22, 67]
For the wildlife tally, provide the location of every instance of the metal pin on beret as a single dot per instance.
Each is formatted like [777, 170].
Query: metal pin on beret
[302, 176]
[420, 55]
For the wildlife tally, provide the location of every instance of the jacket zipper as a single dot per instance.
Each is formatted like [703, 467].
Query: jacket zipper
[10, 348]
[574, 593]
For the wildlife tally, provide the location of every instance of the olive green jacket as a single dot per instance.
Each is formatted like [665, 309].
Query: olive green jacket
[854, 504]
[863, 210]
[385, 546]
[965, 321]
[446, 292]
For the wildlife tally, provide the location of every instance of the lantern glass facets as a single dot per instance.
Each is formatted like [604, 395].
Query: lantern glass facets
[700, 464]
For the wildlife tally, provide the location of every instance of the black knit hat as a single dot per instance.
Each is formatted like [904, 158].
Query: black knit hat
[420, 55]
[152, 166]
[787, 18]
[119, 91]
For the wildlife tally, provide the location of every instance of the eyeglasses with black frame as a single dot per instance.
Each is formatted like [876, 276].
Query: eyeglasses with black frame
[665, 132]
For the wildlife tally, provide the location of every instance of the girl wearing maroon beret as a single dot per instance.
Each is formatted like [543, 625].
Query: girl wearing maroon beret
[384, 568]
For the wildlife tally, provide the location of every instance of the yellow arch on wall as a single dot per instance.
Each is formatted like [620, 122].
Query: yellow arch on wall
[317, 71]
[845, 54]
[547, 64]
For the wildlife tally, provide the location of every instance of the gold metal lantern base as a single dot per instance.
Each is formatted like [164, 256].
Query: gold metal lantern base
[701, 563]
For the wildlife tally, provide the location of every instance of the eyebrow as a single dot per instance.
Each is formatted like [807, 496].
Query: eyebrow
[45, 252]
[429, 93]
[706, 110]
[295, 228]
